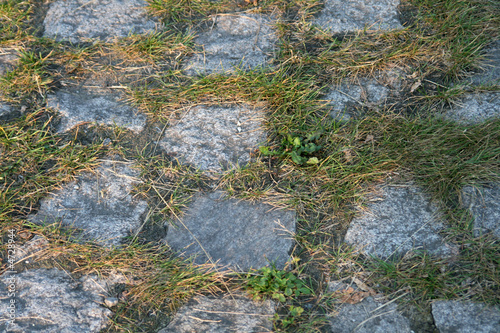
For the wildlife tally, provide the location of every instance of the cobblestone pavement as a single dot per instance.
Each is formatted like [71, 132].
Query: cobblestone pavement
[233, 234]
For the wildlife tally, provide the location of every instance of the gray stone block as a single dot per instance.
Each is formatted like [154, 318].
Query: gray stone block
[233, 313]
[465, 317]
[50, 301]
[82, 106]
[81, 20]
[5, 110]
[238, 234]
[367, 316]
[215, 138]
[341, 16]
[99, 203]
[475, 108]
[399, 220]
[242, 40]
[8, 59]
[484, 205]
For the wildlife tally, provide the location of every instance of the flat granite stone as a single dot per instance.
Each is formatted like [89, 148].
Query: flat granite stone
[30, 249]
[215, 138]
[235, 233]
[233, 313]
[465, 317]
[5, 110]
[50, 301]
[491, 66]
[341, 16]
[83, 106]
[81, 20]
[399, 220]
[367, 316]
[484, 204]
[99, 203]
[8, 59]
[241, 40]
[475, 108]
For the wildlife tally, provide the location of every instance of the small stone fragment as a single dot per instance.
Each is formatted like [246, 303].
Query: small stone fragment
[368, 315]
[50, 301]
[230, 314]
[80, 20]
[341, 16]
[101, 206]
[399, 220]
[238, 234]
[245, 41]
[208, 137]
[484, 205]
[465, 317]
[8, 59]
[5, 110]
[81, 107]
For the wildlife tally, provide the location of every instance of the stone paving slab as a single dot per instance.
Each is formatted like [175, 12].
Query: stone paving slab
[242, 40]
[30, 249]
[81, 20]
[475, 108]
[84, 106]
[50, 301]
[369, 315]
[484, 204]
[238, 234]
[214, 138]
[8, 59]
[465, 317]
[340, 17]
[99, 203]
[232, 313]
[491, 67]
[398, 220]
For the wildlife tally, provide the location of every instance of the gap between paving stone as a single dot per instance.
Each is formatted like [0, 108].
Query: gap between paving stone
[242, 40]
[341, 17]
[99, 203]
[236, 234]
[81, 20]
[397, 220]
[50, 301]
[484, 204]
[213, 138]
[85, 106]
[232, 313]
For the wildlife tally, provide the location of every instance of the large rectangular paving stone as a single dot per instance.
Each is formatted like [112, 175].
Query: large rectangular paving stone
[398, 220]
[99, 203]
[81, 20]
[245, 41]
[465, 317]
[82, 106]
[232, 313]
[214, 138]
[238, 234]
[340, 16]
[51, 301]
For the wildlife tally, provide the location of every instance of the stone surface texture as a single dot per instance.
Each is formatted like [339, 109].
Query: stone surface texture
[30, 249]
[5, 110]
[50, 301]
[215, 138]
[475, 108]
[238, 40]
[491, 66]
[368, 316]
[229, 314]
[465, 317]
[398, 220]
[238, 234]
[484, 204]
[341, 16]
[8, 59]
[83, 106]
[80, 20]
[100, 203]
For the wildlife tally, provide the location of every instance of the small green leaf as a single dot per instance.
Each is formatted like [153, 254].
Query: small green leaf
[288, 292]
[313, 160]
[296, 142]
